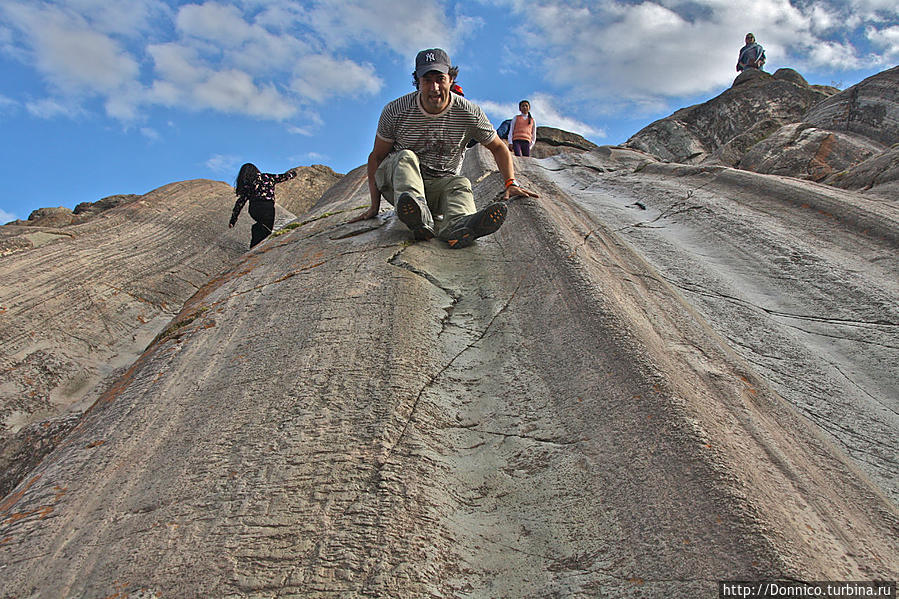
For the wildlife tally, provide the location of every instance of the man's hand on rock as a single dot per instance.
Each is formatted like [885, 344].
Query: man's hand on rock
[370, 213]
[516, 191]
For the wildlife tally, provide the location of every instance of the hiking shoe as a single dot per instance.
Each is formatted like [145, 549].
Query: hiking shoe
[409, 212]
[485, 221]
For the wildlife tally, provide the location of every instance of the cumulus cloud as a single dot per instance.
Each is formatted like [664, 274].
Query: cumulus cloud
[887, 39]
[130, 19]
[185, 80]
[262, 60]
[223, 163]
[224, 25]
[49, 108]
[405, 28]
[640, 54]
[69, 53]
[6, 217]
[321, 76]
[545, 111]
[7, 104]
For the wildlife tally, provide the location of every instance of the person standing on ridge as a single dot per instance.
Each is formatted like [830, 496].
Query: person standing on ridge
[752, 55]
[523, 130]
[418, 152]
[258, 189]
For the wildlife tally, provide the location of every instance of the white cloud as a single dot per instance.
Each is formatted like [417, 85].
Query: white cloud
[7, 104]
[223, 163]
[405, 27]
[210, 55]
[6, 217]
[544, 110]
[130, 19]
[150, 133]
[235, 91]
[49, 108]
[887, 39]
[308, 158]
[624, 54]
[71, 55]
[320, 76]
[218, 23]
[186, 81]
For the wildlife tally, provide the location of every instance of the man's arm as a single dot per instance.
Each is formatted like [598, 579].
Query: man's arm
[378, 154]
[504, 163]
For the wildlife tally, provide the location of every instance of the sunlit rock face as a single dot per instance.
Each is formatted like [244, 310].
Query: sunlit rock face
[779, 124]
[83, 292]
[655, 376]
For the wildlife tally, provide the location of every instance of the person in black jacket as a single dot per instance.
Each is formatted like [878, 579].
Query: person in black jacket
[258, 189]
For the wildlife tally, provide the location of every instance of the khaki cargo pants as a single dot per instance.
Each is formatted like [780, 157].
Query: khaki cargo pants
[450, 196]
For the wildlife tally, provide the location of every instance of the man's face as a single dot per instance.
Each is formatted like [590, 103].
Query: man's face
[750, 39]
[435, 91]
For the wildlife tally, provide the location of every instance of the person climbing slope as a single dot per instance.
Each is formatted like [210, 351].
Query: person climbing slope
[259, 190]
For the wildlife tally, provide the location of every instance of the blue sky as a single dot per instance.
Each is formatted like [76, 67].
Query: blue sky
[100, 98]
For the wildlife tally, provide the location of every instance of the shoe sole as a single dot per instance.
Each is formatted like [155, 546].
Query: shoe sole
[488, 221]
[409, 213]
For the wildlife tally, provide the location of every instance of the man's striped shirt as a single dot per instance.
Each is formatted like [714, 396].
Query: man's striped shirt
[437, 139]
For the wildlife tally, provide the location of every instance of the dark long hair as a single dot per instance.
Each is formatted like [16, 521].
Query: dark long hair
[530, 120]
[244, 185]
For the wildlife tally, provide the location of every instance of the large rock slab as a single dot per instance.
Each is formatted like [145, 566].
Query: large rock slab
[808, 152]
[879, 173]
[869, 108]
[552, 141]
[694, 134]
[83, 292]
[768, 131]
[346, 413]
[78, 305]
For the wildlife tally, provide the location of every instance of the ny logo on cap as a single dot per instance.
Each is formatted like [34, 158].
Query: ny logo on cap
[430, 56]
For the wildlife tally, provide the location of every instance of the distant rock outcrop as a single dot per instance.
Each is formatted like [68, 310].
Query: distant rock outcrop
[63, 217]
[299, 194]
[692, 135]
[779, 124]
[803, 150]
[552, 141]
[869, 108]
[92, 208]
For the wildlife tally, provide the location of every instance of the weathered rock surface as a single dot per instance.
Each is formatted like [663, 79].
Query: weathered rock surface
[299, 194]
[77, 311]
[880, 172]
[653, 378]
[93, 208]
[803, 150]
[79, 303]
[552, 141]
[781, 125]
[869, 108]
[696, 133]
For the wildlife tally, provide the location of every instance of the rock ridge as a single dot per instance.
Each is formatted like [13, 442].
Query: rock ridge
[779, 124]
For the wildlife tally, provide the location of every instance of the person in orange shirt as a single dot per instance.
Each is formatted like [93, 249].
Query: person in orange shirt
[523, 131]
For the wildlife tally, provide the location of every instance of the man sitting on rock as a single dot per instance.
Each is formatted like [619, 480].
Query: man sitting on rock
[752, 55]
[418, 153]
